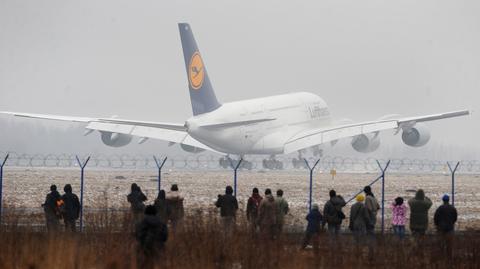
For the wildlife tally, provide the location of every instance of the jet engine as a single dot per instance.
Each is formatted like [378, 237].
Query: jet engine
[366, 143]
[191, 149]
[416, 136]
[115, 139]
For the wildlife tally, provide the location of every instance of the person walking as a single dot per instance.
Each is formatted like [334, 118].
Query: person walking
[371, 204]
[51, 209]
[136, 198]
[267, 215]
[314, 219]
[399, 217]
[175, 209]
[151, 234]
[253, 204]
[281, 210]
[228, 209]
[70, 208]
[161, 206]
[359, 219]
[445, 218]
[419, 206]
[332, 213]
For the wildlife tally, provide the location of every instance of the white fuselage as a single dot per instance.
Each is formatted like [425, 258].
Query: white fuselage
[280, 118]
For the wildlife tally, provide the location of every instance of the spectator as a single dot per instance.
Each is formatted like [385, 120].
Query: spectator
[444, 219]
[252, 208]
[445, 216]
[228, 209]
[372, 206]
[136, 198]
[419, 206]
[314, 219]
[50, 207]
[281, 210]
[174, 206]
[161, 206]
[359, 219]
[399, 217]
[70, 208]
[267, 215]
[151, 234]
[332, 213]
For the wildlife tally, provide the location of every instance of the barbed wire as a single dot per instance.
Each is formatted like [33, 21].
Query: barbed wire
[212, 162]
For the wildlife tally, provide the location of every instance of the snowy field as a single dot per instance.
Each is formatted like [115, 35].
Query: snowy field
[26, 188]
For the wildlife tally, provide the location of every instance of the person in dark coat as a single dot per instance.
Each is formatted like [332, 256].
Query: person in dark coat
[70, 208]
[445, 216]
[359, 219]
[444, 219]
[151, 234]
[136, 198]
[372, 206]
[419, 206]
[252, 209]
[228, 208]
[314, 227]
[332, 212]
[50, 207]
[161, 206]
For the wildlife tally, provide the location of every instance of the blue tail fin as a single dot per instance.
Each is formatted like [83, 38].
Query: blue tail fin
[201, 92]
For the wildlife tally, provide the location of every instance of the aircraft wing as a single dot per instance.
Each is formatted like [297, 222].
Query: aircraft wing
[313, 137]
[172, 132]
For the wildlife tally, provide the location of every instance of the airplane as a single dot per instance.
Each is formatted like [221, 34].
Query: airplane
[273, 125]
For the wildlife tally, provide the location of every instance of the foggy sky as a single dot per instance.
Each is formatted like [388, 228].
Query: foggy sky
[365, 58]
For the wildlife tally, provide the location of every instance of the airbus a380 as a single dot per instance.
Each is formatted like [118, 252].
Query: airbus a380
[272, 125]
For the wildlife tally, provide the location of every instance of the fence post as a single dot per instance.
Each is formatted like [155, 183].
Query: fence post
[311, 168]
[452, 171]
[82, 167]
[1, 185]
[160, 166]
[383, 169]
[235, 168]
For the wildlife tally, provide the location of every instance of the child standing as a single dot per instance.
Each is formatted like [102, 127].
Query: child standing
[399, 217]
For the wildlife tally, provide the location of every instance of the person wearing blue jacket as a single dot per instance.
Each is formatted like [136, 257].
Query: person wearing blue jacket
[314, 227]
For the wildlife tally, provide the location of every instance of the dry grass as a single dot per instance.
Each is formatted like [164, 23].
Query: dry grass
[108, 242]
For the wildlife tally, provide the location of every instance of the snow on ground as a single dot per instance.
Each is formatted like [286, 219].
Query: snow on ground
[26, 188]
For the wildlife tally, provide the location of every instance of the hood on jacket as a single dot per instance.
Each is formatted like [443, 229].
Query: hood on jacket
[336, 200]
[420, 195]
[269, 197]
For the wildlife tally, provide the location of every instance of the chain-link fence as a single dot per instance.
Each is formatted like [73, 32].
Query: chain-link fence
[212, 162]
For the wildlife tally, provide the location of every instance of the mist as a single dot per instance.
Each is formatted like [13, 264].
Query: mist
[365, 58]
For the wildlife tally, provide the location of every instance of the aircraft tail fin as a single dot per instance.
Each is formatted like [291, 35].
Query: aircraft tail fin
[202, 95]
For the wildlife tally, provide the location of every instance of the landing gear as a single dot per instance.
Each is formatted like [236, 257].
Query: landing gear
[300, 162]
[272, 164]
[224, 163]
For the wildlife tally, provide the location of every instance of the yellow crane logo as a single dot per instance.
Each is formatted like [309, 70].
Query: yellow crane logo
[196, 72]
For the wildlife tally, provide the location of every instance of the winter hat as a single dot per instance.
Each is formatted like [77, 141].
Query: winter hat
[360, 198]
[315, 207]
[446, 198]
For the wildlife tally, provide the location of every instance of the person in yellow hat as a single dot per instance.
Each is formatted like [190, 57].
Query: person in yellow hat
[359, 219]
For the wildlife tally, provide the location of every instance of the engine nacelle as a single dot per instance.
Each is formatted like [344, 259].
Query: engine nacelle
[191, 149]
[115, 139]
[366, 143]
[416, 136]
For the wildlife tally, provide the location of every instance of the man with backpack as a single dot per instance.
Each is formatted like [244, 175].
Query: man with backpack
[332, 213]
[70, 208]
[51, 209]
